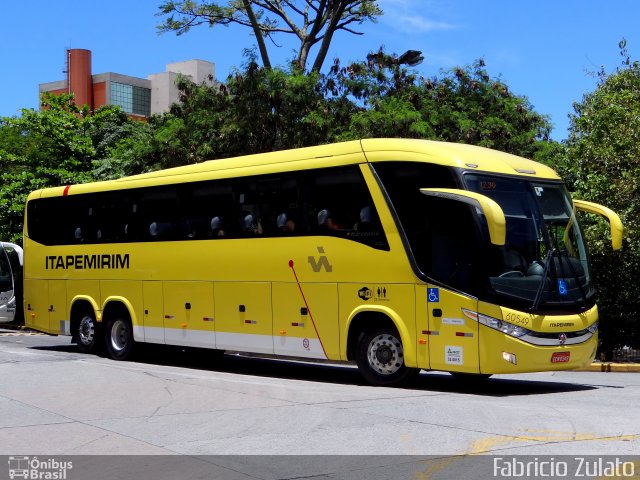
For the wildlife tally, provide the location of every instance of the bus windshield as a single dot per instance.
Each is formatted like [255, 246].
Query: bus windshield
[544, 259]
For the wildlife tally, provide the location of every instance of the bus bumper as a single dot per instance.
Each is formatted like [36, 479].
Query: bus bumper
[500, 353]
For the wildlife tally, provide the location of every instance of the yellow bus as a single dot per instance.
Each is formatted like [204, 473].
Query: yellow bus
[399, 254]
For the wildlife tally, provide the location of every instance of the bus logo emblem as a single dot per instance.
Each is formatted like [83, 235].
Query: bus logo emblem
[322, 262]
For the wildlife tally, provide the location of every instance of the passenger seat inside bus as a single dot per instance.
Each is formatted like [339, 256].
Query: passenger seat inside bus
[365, 224]
[251, 225]
[217, 227]
[285, 224]
[161, 230]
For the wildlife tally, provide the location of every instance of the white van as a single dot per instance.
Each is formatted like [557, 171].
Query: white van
[11, 261]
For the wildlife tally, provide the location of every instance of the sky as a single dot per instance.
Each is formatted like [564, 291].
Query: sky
[546, 50]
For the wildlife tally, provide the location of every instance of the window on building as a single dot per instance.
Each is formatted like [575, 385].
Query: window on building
[132, 99]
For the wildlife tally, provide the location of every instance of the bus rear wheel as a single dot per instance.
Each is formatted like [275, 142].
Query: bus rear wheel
[87, 332]
[119, 337]
[380, 358]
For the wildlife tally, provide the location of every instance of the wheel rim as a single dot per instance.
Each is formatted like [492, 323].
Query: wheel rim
[119, 334]
[385, 354]
[86, 330]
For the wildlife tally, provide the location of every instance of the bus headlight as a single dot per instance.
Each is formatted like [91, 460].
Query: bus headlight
[513, 330]
[499, 325]
[593, 328]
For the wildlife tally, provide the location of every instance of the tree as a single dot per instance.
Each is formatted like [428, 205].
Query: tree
[312, 22]
[260, 109]
[463, 105]
[603, 160]
[56, 145]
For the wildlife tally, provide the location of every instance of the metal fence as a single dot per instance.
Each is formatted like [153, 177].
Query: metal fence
[626, 355]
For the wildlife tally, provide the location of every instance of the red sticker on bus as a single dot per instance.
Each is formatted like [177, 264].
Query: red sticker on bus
[560, 357]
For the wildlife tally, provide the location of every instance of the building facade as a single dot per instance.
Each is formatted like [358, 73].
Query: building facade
[138, 97]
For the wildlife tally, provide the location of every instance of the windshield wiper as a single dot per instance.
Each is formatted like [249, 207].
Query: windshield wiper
[547, 262]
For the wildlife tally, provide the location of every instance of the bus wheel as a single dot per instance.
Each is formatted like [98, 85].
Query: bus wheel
[380, 358]
[119, 337]
[87, 332]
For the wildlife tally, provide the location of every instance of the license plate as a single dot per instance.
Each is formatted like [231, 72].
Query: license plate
[560, 357]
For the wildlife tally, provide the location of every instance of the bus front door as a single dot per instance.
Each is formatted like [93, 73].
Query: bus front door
[452, 336]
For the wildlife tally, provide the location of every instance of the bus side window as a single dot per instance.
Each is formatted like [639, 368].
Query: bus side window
[159, 209]
[338, 203]
[453, 242]
[205, 210]
[269, 204]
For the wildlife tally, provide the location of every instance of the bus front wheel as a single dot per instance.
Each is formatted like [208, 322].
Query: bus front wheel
[119, 337]
[380, 358]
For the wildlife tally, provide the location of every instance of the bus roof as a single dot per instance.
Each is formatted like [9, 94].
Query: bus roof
[458, 155]
[337, 154]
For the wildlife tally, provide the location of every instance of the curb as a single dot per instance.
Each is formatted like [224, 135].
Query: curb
[610, 367]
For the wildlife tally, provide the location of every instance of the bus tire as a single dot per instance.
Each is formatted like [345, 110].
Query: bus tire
[119, 336]
[87, 331]
[380, 358]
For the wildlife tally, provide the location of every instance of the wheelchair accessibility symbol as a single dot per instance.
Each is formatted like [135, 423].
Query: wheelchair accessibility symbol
[433, 295]
[562, 287]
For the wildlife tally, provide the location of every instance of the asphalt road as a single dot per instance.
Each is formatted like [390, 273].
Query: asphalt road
[56, 401]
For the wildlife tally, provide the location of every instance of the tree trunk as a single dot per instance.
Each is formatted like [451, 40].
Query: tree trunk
[328, 36]
[258, 33]
[303, 54]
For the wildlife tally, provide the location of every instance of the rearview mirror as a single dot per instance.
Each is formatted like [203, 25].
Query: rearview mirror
[612, 217]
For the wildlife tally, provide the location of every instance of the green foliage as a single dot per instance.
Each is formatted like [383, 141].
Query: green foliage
[603, 156]
[257, 110]
[56, 145]
[462, 105]
[260, 109]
